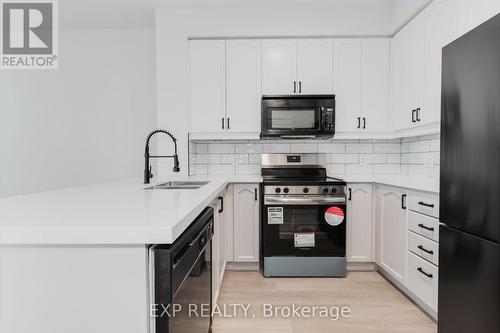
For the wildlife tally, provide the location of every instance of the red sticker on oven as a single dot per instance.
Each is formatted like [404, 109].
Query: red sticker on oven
[334, 216]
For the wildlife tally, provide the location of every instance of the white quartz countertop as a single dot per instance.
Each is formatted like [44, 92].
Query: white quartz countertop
[413, 183]
[121, 212]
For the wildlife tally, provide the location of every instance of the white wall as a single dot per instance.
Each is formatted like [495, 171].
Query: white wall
[175, 26]
[83, 123]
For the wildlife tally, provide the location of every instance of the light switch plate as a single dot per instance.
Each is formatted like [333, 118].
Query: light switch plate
[362, 160]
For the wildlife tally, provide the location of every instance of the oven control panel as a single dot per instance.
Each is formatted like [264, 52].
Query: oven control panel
[305, 189]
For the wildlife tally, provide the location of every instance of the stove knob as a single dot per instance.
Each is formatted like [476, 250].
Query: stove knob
[277, 190]
[306, 190]
[286, 190]
[334, 190]
[325, 190]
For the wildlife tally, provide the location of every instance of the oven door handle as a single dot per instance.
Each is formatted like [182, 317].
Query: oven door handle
[309, 200]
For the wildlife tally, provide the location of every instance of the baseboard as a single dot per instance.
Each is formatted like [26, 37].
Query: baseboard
[361, 266]
[242, 266]
[406, 292]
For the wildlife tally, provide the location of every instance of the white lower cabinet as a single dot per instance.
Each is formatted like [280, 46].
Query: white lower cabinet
[359, 223]
[407, 248]
[392, 232]
[423, 280]
[246, 223]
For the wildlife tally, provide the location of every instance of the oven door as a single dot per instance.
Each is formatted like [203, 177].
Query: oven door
[299, 229]
[293, 116]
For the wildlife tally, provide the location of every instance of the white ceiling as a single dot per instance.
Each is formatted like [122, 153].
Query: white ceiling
[130, 14]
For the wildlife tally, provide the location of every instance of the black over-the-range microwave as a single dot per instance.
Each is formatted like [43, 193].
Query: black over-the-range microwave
[298, 116]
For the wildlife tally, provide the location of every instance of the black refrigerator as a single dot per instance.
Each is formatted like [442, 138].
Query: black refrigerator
[469, 250]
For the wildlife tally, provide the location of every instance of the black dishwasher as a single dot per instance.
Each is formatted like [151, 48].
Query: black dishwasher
[182, 280]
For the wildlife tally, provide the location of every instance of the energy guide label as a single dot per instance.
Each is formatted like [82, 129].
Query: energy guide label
[275, 215]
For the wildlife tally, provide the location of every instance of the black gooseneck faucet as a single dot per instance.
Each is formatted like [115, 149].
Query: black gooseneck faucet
[147, 168]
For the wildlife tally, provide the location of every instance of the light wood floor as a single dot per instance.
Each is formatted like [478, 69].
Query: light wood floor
[376, 306]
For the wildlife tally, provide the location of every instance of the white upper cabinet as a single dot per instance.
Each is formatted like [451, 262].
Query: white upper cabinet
[207, 85]
[359, 223]
[440, 28]
[475, 12]
[347, 84]
[243, 85]
[279, 66]
[416, 65]
[291, 66]
[407, 66]
[315, 66]
[375, 84]
[361, 84]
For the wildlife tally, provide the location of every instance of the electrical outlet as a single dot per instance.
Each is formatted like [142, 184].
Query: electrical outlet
[363, 160]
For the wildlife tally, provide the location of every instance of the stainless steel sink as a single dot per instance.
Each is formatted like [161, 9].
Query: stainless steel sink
[178, 185]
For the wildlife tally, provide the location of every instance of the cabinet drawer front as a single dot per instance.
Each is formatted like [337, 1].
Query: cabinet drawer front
[424, 225]
[423, 247]
[424, 203]
[422, 279]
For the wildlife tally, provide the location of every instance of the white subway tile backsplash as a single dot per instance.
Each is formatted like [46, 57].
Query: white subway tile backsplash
[218, 169]
[201, 148]
[200, 169]
[360, 148]
[358, 169]
[374, 158]
[435, 145]
[344, 158]
[222, 148]
[253, 148]
[331, 148]
[335, 170]
[394, 158]
[248, 169]
[387, 148]
[418, 171]
[414, 156]
[419, 146]
[276, 148]
[387, 169]
[254, 158]
[304, 148]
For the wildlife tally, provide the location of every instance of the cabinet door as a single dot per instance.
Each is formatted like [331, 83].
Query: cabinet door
[347, 84]
[207, 85]
[359, 223]
[392, 241]
[440, 28]
[407, 76]
[246, 222]
[279, 66]
[375, 84]
[315, 66]
[243, 85]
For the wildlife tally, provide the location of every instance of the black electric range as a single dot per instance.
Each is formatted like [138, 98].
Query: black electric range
[303, 217]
